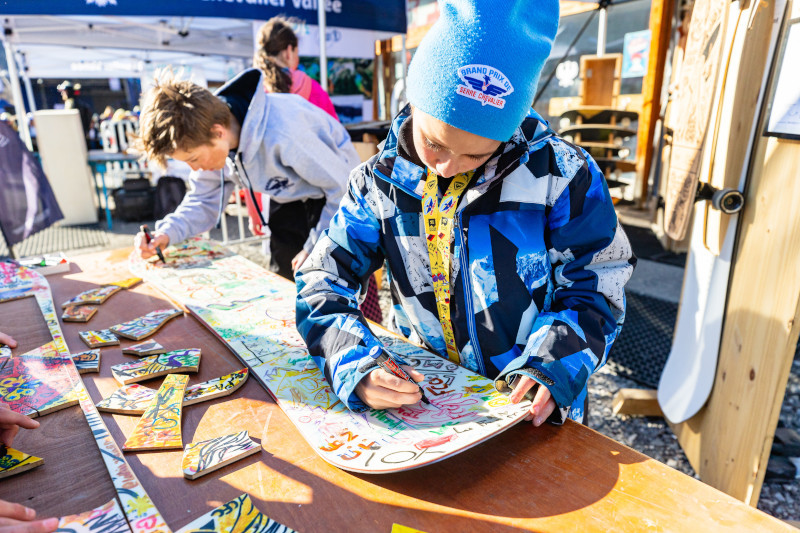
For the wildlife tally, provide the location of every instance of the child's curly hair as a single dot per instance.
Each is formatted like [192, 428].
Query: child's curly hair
[177, 115]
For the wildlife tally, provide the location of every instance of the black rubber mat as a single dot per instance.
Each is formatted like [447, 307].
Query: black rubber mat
[642, 348]
[647, 246]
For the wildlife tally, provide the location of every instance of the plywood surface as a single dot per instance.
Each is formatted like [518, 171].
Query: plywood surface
[544, 479]
[729, 441]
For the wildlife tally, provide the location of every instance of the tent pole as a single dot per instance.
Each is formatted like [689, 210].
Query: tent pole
[323, 52]
[602, 30]
[13, 74]
[23, 61]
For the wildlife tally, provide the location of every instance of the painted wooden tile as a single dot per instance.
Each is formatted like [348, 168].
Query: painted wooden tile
[146, 325]
[130, 399]
[48, 350]
[126, 283]
[105, 519]
[88, 361]
[15, 462]
[133, 399]
[236, 516]
[141, 512]
[157, 365]
[35, 386]
[144, 349]
[215, 388]
[96, 339]
[95, 296]
[78, 313]
[201, 458]
[160, 425]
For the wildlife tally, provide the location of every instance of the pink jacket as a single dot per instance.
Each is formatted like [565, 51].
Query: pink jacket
[311, 90]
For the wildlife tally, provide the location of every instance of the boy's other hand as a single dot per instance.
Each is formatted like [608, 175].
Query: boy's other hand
[17, 518]
[6, 339]
[298, 260]
[145, 249]
[543, 404]
[381, 390]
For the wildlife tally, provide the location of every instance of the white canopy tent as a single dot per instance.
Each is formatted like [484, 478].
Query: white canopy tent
[108, 46]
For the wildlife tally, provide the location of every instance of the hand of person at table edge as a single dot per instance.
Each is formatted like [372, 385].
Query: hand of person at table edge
[16, 518]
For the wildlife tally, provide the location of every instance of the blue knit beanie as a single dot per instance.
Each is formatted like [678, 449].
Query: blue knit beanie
[478, 67]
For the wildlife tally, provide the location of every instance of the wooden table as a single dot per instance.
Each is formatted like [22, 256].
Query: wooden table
[545, 479]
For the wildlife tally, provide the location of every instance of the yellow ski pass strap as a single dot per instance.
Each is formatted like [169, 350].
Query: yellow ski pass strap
[438, 217]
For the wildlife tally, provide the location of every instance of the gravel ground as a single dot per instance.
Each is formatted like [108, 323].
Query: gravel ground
[651, 435]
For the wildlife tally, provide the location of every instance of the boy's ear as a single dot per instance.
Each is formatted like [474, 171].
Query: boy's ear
[218, 131]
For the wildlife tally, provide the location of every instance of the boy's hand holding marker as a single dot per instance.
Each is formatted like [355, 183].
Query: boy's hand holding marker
[392, 386]
[148, 245]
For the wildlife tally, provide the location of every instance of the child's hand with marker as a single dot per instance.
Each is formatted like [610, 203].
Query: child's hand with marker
[149, 247]
[384, 389]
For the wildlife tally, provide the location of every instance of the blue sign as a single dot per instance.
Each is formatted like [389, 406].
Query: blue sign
[635, 54]
[379, 15]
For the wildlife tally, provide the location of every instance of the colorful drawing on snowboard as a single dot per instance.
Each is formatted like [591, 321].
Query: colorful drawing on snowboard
[105, 519]
[465, 407]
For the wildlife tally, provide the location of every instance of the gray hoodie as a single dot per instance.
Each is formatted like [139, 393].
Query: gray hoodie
[288, 149]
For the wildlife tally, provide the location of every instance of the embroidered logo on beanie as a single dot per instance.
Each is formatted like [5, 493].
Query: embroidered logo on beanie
[485, 84]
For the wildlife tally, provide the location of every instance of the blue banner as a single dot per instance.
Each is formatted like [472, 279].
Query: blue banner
[380, 15]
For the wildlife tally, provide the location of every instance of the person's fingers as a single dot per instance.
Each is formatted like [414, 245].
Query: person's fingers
[39, 526]
[7, 416]
[522, 385]
[392, 382]
[6, 339]
[415, 375]
[544, 406]
[142, 247]
[161, 240]
[8, 434]
[15, 511]
[379, 391]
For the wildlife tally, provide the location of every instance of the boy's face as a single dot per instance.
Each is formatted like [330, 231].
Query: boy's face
[447, 150]
[210, 156]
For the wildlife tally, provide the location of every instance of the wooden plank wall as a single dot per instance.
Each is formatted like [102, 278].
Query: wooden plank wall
[729, 441]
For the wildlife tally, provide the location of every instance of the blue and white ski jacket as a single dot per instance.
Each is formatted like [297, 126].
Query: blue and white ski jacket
[538, 268]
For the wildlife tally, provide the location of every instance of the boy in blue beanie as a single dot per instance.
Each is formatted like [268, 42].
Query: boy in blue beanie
[501, 240]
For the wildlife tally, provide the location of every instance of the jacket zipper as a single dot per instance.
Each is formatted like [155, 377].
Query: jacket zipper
[473, 334]
[242, 172]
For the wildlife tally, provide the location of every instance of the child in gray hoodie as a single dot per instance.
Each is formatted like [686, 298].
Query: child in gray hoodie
[276, 144]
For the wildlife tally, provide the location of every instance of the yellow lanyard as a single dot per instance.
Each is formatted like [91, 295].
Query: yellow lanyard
[439, 230]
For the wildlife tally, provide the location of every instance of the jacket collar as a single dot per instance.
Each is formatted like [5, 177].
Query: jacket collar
[398, 170]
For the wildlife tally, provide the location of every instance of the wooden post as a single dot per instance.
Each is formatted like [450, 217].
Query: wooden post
[660, 31]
